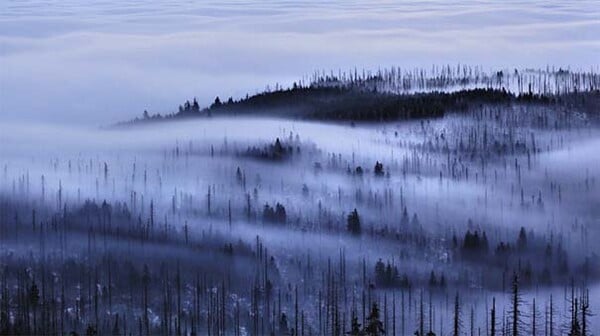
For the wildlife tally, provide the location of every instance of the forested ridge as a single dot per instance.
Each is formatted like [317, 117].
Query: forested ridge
[480, 217]
[383, 97]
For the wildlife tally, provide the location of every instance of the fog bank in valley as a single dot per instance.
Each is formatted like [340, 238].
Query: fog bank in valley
[299, 168]
[285, 196]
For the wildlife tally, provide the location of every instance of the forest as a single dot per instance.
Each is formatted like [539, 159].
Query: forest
[392, 95]
[446, 201]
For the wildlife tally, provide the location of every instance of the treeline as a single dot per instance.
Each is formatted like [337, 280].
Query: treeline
[277, 151]
[340, 103]
[548, 81]
[537, 261]
[348, 104]
[389, 95]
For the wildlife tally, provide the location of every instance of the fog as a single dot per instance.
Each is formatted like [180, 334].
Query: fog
[407, 212]
[204, 179]
[64, 62]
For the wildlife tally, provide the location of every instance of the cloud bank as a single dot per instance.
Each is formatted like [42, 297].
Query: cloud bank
[108, 61]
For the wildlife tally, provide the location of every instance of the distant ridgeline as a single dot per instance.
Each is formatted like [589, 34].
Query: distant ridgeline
[394, 94]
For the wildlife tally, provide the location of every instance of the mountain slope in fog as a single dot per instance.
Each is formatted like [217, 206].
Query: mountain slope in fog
[389, 96]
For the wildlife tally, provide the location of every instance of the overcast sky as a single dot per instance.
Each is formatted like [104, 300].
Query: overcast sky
[62, 62]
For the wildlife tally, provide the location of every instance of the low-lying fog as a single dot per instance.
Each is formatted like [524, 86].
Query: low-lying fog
[254, 226]
[436, 182]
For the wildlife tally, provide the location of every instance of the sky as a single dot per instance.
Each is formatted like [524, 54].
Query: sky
[81, 63]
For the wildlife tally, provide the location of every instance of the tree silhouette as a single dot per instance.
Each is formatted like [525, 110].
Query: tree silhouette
[432, 279]
[378, 169]
[216, 103]
[91, 330]
[354, 223]
[274, 215]
[374, 325]
[522, 241]
[355, 327]
[283, 325]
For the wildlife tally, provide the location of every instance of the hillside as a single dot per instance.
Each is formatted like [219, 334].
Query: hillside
[387, 97]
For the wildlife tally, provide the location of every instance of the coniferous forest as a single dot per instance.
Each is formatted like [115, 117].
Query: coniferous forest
[376, 204]
[299, 168]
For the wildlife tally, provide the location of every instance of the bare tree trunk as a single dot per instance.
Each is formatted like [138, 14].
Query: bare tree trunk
[515, 306]
[456, 315]
[493, 318]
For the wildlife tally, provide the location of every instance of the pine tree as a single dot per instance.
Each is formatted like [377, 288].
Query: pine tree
[378, 169]
[374, 325]
[354, 223]
[355, 327]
